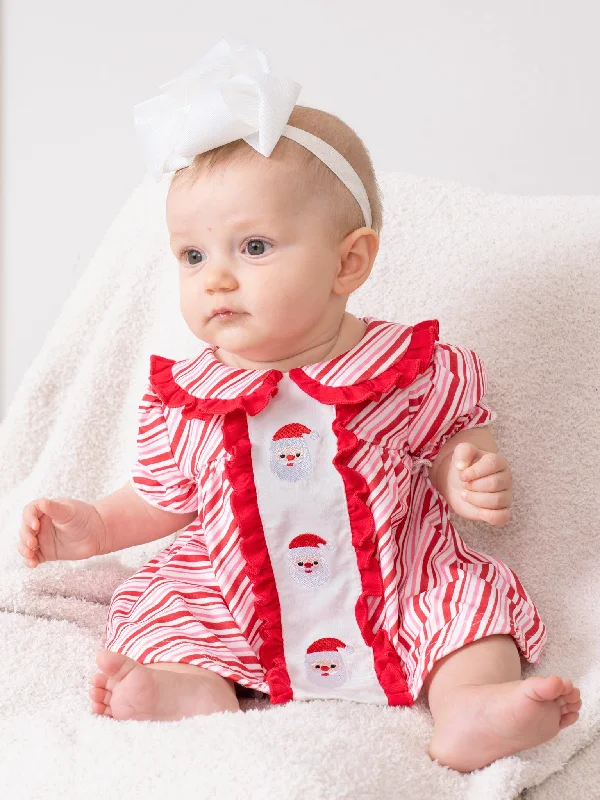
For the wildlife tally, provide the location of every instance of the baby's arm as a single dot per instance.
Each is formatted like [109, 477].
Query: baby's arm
[129, 520]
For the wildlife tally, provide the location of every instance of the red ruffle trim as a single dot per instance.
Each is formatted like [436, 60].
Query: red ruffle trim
[402, 373]
[387, 662]
[172, 395]
[244, 504]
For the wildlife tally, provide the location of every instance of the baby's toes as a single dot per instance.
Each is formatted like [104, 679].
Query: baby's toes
[569, 700]
[100, 701]
[101, 710]
[568, 719]
[569, 703]
[99, 679]
[102, 681]
[568, 708]
[567, 687]
[544, 688]
[101, 696]
[574, 696]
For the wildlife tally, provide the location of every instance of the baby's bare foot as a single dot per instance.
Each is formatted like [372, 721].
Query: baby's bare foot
[487, 722]
[126, 689]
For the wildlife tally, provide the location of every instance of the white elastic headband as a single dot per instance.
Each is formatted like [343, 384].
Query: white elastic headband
[230, 94]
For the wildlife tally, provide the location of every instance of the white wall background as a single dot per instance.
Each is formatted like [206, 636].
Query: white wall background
[500, 95]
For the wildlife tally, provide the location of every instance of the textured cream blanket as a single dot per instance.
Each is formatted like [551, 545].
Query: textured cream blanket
[516, 279]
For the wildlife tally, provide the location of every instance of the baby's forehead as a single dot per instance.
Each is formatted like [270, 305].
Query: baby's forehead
[259, 177]
[233, 196]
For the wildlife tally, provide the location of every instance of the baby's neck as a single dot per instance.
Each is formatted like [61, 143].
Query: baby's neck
[351, 330]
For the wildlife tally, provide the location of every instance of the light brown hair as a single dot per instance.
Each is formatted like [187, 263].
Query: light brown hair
[314, 179]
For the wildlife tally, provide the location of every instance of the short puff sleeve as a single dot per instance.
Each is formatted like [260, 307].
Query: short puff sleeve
[156, 475]
[448, 399]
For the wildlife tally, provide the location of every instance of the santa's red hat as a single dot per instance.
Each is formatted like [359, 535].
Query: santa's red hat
[329, 646]
[307, 540]
[294, 430]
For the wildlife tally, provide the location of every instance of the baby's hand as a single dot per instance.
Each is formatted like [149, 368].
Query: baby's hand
[479, 484]
[59, 530]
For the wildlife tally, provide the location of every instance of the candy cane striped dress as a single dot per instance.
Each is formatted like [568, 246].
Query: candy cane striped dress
[322, 562]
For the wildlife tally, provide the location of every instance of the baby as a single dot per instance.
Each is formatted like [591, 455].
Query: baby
[310, 458]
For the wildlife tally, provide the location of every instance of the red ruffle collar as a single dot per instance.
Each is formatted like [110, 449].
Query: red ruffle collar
[389, 355]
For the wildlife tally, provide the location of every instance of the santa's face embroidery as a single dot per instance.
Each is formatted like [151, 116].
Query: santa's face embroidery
[327, 667]
[290, 457]
[329, 671]
[308, 563]
[309, 570]
[291, 462]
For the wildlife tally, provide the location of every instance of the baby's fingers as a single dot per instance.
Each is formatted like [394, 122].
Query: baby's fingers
[494, 500]
[500, 517]
[28, 541]
[493, 508]
[31, 516]
[27, 552]
[28, 537]
[490, 483]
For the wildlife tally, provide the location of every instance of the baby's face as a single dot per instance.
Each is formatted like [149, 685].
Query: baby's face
[247, 243]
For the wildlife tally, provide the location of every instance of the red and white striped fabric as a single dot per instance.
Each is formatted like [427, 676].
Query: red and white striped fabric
[322, 562]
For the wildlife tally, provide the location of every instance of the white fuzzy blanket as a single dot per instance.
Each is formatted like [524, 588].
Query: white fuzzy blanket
[516, 279]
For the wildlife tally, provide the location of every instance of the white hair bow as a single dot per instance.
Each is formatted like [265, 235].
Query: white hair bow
[229, 94]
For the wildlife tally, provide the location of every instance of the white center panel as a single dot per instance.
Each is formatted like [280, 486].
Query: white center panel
[300, 491]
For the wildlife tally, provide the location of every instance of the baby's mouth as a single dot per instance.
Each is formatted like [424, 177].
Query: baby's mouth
[225, 313]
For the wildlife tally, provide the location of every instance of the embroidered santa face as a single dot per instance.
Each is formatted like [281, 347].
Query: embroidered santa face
[325, 665]
[307, 562]
[290, 457]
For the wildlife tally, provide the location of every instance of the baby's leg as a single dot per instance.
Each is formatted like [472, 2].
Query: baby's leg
[483, 710]
[126, 689]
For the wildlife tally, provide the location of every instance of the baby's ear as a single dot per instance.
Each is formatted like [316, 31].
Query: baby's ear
[357, 256]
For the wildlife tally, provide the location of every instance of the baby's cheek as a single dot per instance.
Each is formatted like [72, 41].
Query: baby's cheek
[280, 312]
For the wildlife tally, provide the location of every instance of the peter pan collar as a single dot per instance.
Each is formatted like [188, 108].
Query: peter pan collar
[389, 355]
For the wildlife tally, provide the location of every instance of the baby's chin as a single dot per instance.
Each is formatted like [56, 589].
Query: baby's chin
[244, 343]
[237, 343]
[226, 332]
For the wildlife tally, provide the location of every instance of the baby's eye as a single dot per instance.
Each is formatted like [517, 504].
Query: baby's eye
[256, 247]
[192, 252]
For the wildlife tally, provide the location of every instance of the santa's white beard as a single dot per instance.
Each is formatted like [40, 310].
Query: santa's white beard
[296, 472]
[300, 468]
